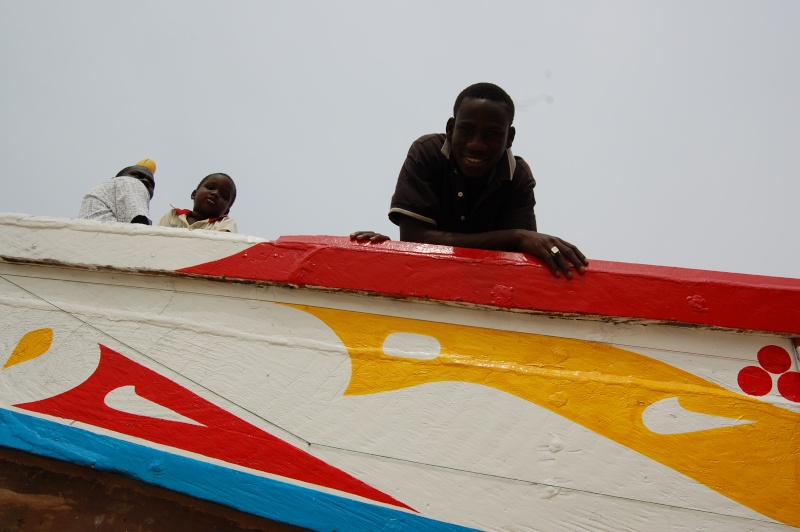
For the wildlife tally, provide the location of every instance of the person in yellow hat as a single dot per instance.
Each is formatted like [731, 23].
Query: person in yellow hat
[150, 164]
[125, 198]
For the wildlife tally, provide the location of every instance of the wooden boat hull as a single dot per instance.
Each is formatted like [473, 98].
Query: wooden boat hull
[342, 386]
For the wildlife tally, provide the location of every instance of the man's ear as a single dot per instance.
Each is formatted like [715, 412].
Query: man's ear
[193, 193]
[511, 133]
[448, 129]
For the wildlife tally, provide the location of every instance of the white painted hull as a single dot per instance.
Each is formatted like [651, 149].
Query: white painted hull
[410, 414]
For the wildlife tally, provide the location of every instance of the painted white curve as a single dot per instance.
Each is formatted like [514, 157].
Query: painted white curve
[667, 416]
[412, 345]
[125, 399]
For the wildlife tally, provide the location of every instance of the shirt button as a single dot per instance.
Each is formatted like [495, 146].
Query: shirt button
[463, 218]
[460, 194]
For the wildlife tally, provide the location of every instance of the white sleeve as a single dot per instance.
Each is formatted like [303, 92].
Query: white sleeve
[131, 199]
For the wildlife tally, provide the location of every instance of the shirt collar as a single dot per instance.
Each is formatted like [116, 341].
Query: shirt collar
[512, 163]
[189, 211]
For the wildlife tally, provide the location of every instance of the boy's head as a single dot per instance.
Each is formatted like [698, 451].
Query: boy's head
[480, 130]
[214, 196]
[141, 173]
[486, 91]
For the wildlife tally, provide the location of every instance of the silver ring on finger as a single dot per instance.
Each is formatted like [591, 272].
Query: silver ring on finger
[554, 250]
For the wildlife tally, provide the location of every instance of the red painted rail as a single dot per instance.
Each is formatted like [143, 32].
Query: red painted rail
[513, 280]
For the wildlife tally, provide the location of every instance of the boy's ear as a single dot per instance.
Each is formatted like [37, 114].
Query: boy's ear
[193, 193]
[511, 133]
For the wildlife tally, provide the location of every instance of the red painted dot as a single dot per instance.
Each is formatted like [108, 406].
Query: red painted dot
[789, 386]
[774, 359]
[755, 381]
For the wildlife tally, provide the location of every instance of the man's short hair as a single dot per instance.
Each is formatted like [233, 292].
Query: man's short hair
[486, 91]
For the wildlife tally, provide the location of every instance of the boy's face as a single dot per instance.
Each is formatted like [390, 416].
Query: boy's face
[479, 135]
[213, 198]
[143, 174]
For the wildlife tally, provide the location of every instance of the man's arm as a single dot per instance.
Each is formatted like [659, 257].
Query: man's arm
[538, 245]
[132, 201]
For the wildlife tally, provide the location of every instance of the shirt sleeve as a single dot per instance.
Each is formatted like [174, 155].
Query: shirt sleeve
[131, 199]
[519, 213]
[94, 208]
[98, 203]
[166, 220]
[416, 192]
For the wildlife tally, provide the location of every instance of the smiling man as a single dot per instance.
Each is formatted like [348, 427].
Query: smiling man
[465, 188]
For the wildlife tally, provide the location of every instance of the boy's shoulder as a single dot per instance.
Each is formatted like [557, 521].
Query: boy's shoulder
[427, 149]
[225, 223]
[433, 141]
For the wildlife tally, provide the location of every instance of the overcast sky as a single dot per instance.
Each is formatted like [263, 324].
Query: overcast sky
[659, 132]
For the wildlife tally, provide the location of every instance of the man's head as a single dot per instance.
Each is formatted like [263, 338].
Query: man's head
[214, 196]
[486, 91]
[143, 174]
[480, 130]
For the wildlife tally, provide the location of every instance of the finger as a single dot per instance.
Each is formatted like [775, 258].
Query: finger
[558, 257]
[571, 256]
[581, 257]
[563, 264]
[550, 261]
[363, 235]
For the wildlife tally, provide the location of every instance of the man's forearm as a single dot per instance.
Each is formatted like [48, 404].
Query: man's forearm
[502, 240]
[557, 254]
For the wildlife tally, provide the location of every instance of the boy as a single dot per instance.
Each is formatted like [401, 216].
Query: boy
[213, 199]
[125, 198]
[465, 188]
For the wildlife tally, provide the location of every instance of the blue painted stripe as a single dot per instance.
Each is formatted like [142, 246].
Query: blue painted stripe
[249, 493]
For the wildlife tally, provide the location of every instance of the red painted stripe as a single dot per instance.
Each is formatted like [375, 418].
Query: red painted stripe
[222, 435]
[513, 280]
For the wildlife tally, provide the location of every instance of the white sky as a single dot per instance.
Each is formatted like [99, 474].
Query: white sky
[660, 132]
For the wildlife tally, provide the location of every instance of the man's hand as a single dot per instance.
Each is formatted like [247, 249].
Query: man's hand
[368, 236]
[557, 254]
[537, 245]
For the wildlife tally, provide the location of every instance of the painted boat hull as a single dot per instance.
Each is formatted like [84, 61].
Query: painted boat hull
[342, 386]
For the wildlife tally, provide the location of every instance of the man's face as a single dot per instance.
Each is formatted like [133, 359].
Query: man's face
[479, 135]
[143, 174]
